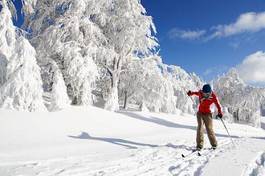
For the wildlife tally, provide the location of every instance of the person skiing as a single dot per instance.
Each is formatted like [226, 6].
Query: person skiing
[204, 115]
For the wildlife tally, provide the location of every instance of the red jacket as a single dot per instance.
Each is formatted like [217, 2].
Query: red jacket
[205, 104]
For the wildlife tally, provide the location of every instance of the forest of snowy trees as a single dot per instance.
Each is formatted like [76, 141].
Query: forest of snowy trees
[102, 53]
[241, 102]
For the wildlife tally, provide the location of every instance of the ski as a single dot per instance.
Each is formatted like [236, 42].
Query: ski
[199, 152]
[192, 153]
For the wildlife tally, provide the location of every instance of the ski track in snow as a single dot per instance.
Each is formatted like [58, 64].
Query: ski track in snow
[257, 167]
[146, 161]
[193, 165]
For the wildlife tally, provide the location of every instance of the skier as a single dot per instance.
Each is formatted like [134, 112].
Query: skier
[204, 115]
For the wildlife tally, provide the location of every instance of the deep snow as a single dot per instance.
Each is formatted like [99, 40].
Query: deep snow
[91, 141]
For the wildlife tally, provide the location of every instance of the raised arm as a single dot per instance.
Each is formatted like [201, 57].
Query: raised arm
[190, 93]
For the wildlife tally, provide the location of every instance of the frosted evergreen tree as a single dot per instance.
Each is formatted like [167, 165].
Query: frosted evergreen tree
[21, 85]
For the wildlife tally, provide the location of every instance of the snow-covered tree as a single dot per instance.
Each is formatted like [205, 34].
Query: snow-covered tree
[128, 31]
[144, 83]
[75, 34]
[243, 102]
[157, 86]
[131, 80]
[62, 31]
[55, 95]
[20, 83]
[182, 82]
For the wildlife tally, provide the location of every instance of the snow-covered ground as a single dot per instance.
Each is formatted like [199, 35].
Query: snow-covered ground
[88, 141]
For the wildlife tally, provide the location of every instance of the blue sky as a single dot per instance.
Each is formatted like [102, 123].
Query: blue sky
[204, 56]
[18, 5]
[189, 37]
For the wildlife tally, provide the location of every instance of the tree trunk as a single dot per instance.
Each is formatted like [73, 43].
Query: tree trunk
[112, 103]
[237, 115]
[125, 99]
[143, 107]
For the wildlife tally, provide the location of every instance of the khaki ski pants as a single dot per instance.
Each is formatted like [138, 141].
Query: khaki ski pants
[205, 118]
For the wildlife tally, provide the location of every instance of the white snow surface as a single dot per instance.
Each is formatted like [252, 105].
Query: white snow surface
[84, 141]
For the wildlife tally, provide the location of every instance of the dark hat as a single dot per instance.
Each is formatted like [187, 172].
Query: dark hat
[206, 88]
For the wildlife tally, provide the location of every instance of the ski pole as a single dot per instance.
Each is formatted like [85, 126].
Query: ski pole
[191, 98]
[227, 131]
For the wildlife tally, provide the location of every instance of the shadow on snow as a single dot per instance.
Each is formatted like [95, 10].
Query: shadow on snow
[127, 143]
[117, 141]
[134, 145]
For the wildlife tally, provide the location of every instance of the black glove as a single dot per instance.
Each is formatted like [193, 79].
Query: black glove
[189, 93]
[220, 115]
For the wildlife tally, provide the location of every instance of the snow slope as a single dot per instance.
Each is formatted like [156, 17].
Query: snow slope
[91, 141]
